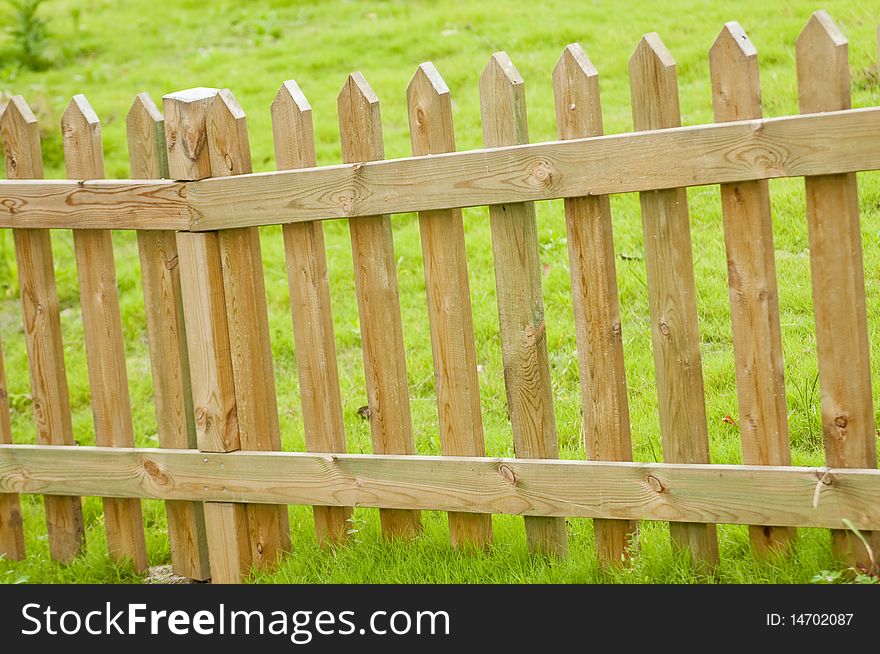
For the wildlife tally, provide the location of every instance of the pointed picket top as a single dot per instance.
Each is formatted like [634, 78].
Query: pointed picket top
[503, 103]
[20, 134]
[360, 123]
[576, 89]
[292, 129]
[228, 146]
[736, 85]
[185, 132]
[81, 134]
[430, 112]
[145, 129]
[822, 66]
[654, 85]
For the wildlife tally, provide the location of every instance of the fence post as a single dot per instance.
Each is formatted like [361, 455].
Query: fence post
[375, 276]
[42, 328]
[594, 297]
[309, 288]
[157, 250]
[754, 299]
[672, 292]
[248, 323]
[449, 300]
[520, 303]
[102, 328]
[838, 277]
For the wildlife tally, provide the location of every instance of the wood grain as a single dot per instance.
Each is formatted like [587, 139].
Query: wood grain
[838, 277]
[167, 338]
[309, 286]
[248, 323]
[621, 163]
[520, 302]
[207, 333]
[11, 523]
[594, 294]
[449, 299]
[102, 329]
[20, 134]
[672, 292]
[727, 494]
[378, 298]
[751, 266]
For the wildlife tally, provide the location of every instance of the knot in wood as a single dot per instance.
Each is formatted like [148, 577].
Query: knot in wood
[420, 117]
[841, 422]
[664, 328]
[228, 161]
[155, 472]
[541, 172]
[655, 484]
[507, 474]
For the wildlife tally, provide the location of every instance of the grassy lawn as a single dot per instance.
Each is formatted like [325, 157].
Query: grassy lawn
[112, 50]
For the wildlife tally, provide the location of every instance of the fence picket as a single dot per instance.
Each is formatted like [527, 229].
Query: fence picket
[248, 323]
[102, 329]
[754, 299]
[11, 524]
[309, 288]
[207, 333]
[449, 299]
[375, 276]
[520, 302]
[671, 292]
[166, 333]
[594, 294]
[20, 134]
[838, 277]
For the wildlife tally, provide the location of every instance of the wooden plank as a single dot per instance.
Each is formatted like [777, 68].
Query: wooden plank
[520, 303]
[449, 299]
[791, 146]
[167, 337]
[20, 134]
[248, 323]
[102, 328]
[838, 277]
[727, 494]
[207, 331]
[594, 295]
[621, 163]
[309, 286]
[378, 298]
[671, 292]
[93, 204]
[754, 299]
[11, 523]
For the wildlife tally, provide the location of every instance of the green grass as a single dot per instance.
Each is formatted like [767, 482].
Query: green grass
[111, 51]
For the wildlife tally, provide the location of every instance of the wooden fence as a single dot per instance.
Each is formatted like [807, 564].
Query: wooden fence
[220, 470]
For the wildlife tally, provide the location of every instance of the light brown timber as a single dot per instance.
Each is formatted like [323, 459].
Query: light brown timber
[157, 250]
[248, 323]
[523, 331]
[594, 294]
[378, 298]
[751, 278]
[11, 523]
[20, 134]
[672, 292]
[102, 329]
[449, 299]
[309, 287]
[207, 331]
[621, 163]
[727, 494]
[838, 278]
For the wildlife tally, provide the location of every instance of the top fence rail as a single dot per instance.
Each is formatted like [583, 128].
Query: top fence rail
[790, 146]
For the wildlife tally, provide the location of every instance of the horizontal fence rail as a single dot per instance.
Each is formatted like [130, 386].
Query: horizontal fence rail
[769, 148]
[727, 494]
